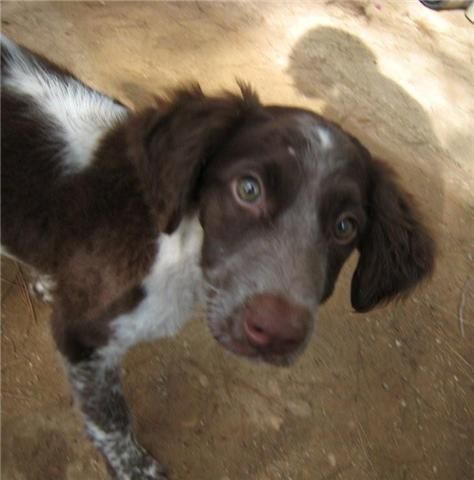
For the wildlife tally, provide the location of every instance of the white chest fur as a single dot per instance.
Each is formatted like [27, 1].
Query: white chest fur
[173, 288]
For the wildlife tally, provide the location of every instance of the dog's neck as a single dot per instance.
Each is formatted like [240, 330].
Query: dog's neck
[173, 290]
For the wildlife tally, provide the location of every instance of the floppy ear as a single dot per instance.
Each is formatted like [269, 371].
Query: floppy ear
[396, 250]
[171, 145]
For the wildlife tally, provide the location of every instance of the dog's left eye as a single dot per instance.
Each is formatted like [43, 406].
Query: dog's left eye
[345, 229]
[248, 189]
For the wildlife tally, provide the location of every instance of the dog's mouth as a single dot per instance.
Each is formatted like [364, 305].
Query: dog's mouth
[264, 327]
[243, 349]
[230, 336]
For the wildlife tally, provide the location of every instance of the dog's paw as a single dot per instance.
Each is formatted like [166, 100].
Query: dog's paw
[154, 471]
[135, 463]
[151, 472]
[149, 469]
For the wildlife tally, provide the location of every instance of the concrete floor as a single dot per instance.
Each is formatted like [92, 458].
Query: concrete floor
[385, 395]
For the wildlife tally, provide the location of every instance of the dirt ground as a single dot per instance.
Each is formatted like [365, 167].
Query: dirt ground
[385, 395]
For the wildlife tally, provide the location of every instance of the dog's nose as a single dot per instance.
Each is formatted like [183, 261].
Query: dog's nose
[275, 325]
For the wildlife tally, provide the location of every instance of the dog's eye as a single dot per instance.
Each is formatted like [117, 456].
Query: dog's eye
[345, 229]
[248, 189]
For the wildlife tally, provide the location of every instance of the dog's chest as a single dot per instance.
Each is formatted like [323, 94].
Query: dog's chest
[173, 288]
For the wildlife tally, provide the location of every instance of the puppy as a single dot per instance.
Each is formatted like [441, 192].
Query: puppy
[250, 210]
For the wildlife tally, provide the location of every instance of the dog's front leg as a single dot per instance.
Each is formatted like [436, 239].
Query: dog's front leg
[98, 392]
[83, 332]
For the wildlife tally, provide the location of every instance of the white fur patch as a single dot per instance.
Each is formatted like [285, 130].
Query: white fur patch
[172, 288]
[79, 115]
[317, 133]
[43, 287]
[324, 137]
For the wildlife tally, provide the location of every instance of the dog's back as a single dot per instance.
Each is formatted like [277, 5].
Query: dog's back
[51, 125]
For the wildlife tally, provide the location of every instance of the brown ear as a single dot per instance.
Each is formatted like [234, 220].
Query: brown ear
[170, 145]
[396, 250]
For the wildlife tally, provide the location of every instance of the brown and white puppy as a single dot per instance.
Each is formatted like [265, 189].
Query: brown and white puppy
[248, 209]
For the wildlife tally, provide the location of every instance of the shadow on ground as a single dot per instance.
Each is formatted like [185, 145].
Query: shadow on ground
[338, 68]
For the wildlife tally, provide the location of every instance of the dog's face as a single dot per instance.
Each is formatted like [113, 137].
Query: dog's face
[284, 197]
[280, 212]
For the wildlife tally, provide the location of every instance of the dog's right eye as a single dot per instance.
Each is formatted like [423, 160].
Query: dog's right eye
[248, 189]
[345, 229]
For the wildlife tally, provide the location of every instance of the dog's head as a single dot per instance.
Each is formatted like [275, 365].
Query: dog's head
[283, 197]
